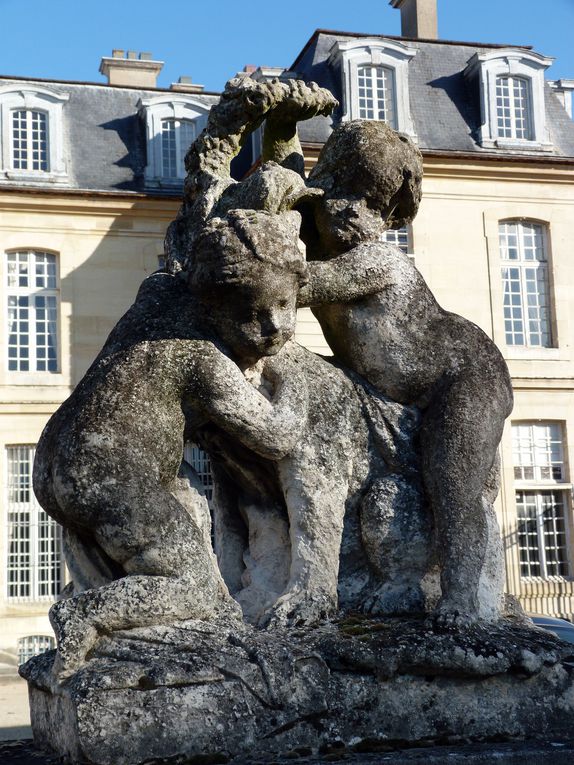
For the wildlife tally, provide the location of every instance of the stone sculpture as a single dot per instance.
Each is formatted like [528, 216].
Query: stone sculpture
[357, 548]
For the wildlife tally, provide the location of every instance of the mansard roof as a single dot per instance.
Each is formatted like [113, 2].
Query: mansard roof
[104, 134]
[445, 105]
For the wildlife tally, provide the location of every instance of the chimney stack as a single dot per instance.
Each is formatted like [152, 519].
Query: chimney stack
[131, 69]
[418, 18]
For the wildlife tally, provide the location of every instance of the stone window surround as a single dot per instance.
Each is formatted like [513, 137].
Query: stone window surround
[154, 111]
[13, 97]
[487, 67]
[349, 56]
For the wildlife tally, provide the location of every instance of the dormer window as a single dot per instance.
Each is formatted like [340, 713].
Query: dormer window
[31, 136]
[513, 114]
[172, 124]
[374, 74]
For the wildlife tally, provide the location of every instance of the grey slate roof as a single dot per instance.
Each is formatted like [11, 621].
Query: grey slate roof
[445, 106]
[104, 137]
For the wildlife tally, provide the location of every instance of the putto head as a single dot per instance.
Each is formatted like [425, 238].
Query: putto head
[246, 270]
[369, 160]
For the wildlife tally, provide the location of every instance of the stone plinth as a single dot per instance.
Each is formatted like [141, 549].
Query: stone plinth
[217, 689]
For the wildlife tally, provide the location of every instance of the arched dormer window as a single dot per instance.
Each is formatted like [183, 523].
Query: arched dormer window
[31, 136]
[172, 124]
[374, 74]
[512, 104]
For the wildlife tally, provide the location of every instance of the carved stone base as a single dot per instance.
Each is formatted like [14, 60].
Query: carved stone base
[223, 689]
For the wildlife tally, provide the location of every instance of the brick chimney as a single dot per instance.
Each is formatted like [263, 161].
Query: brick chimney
[132, 69]
[418, 18]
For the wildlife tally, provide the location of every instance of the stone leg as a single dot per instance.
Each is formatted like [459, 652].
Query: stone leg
[459, 438]
[170, 573]
[315, 496]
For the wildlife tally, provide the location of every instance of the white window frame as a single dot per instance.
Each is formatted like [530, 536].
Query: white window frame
[25, 534]
[154, 111]
[521, 265]
[17, 98]
[545, 456]
[31, 291]
[393, 55]
[486, 68]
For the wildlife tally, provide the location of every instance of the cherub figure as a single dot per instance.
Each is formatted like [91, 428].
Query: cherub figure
[137, 538]
[382, 321]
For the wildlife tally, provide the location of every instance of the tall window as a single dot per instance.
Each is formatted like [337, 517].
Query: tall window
[29, 140]
[32, 298]
[34, 568]
[525, 284]
[513, 108]
[377, 94]
[176, 138]
[542, 505]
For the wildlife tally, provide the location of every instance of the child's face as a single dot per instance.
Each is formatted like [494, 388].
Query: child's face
[344, 222]
[256, 318]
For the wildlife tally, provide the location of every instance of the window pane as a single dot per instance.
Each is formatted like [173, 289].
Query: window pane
[185, 137]
[538, 452]
[168, 149]
[34, 564]
[399, 237]
[526, 293]
[513, 108]
[32, 311]
[199, 461]
[376, 91]
[29, 140]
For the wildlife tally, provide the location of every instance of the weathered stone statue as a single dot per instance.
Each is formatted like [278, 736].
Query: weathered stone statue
[357, 554]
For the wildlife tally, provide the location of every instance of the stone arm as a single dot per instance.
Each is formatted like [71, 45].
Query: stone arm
[269, 428]
[244, 105]
[301, 102]
[363, 271]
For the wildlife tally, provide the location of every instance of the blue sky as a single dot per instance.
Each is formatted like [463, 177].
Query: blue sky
[210, 41]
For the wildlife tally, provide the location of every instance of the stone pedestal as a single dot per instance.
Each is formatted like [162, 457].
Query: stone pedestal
[224, 690]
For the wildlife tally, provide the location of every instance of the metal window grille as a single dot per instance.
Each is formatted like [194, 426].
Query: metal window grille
[34, 566]
[32, 299]
[376, 86]
[399, 237]
[525, 284]
[33, 645]
[542, 535]
[513, 108]
[199, 461]
[29, 140]
[176, 138]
